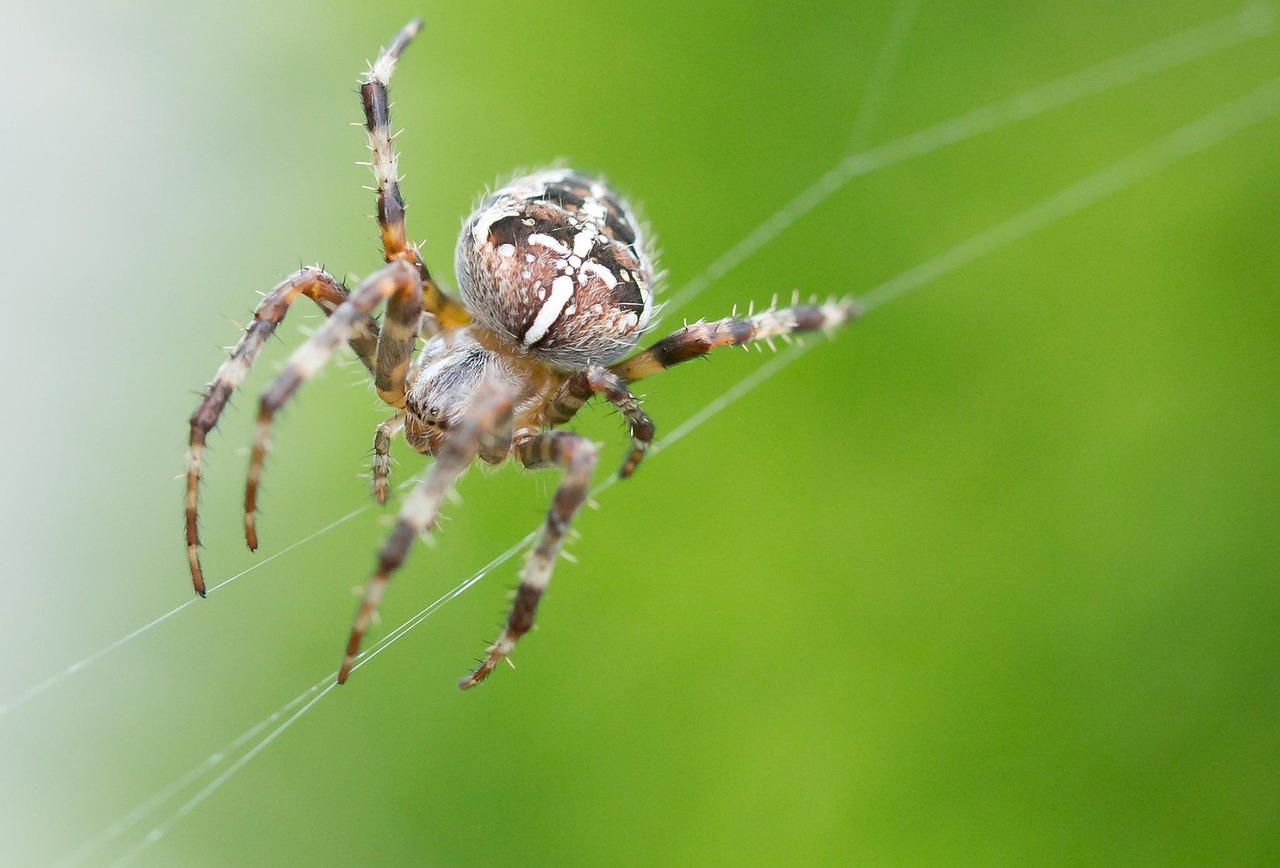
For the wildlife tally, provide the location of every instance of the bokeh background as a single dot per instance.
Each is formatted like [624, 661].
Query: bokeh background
[990, 578]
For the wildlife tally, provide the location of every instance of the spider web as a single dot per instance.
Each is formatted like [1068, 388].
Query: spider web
[1149, 60]
[1211, 128]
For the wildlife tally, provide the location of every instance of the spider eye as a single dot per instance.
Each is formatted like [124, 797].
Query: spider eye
[434, 418]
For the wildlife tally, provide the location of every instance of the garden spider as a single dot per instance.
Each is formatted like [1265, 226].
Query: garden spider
[556, 281]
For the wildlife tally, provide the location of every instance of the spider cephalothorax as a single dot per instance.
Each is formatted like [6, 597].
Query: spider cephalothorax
[557, 287]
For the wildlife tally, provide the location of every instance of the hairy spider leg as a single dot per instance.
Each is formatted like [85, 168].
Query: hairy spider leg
[483, 428]
[377, 124]
[576, 456]
[496, 437]
[391, 282]
[381, 471]
[328, 295]
[396, 342]
[377, 121]
[595, 380]
[700, 338]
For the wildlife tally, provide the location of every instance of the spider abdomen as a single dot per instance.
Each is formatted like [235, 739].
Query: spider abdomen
[554, 263]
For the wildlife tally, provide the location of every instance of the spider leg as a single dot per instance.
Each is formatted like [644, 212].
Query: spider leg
[391, 375]
[701, 338]
[595, 380]
[577, 457]
[495, 439]
[377, 123]
[395, 279]
[328, 294]
[382, 455]
[487, 418]
[395, 347]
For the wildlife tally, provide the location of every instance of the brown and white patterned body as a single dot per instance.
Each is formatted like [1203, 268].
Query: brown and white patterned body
[555, 264]
[557, 285]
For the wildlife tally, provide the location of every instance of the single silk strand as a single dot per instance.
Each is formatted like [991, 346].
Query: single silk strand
[1252, 22]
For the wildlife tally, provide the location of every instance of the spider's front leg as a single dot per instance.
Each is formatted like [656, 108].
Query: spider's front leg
[577, 457]
[328, 295]
[397, 282]
[377, 124]
[595, 380]
[483, 429]
[700, 338]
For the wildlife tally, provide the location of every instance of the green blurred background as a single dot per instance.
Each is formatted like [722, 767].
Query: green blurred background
[990, 578]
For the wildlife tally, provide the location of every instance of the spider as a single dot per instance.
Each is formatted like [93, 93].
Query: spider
[556, 280]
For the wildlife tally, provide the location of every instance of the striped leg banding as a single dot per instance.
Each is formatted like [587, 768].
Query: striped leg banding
[393, 279]
[328, 295]
[381, 470]
[595, 380]
[383, 162]
[418, 515]
[577, 457]
[698, 339]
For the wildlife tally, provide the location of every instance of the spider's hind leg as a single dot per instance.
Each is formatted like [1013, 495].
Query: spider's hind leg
[577, 457]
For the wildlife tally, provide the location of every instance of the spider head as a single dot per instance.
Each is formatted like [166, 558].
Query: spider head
[450, 373]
